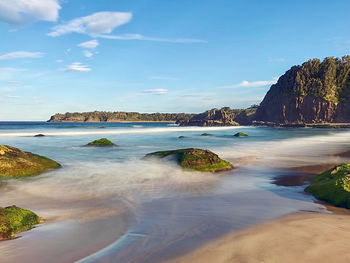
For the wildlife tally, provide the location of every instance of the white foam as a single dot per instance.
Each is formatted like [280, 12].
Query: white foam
[118, 131]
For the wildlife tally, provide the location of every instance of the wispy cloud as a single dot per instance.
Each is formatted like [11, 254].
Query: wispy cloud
[12, 69]
[94, 24]
[18, 12]
[162, 78]
[77, 67]
[11, 96]
[272, 60]
[21, 54]
[252, 84]
[59, 60]
[87, 53]
[156, 91]
[89, 44]
[14, 82]
[156, 39]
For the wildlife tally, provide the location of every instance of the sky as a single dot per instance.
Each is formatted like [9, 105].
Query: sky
[60, 56]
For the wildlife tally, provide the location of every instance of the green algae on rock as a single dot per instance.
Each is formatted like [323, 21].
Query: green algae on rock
[17, 163]
[14, 220]
[101, 143]
[332, 186]
[240, 134]
[196, 159]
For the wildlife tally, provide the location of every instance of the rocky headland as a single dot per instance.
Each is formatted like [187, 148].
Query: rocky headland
[103, 116]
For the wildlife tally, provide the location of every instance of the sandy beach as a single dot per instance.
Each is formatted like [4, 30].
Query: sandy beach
[301, 237]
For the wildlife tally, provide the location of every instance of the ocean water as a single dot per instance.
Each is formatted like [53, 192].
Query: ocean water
[110, 205]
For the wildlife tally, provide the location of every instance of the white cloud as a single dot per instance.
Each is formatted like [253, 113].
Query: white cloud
[77, 67]
[88, 54]
[252, 84]
[156, 39]
[11, 96]
[162, 78]
[18, 12]
[59, 60]
[21, 54]
[156, 91]
[94, 24]
[89, 44]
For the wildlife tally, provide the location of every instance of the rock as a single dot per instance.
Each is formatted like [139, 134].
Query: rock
[221, 117]
[206, 134]
[332, 186]
[103, 142]
[315, 92]
[195, 159]
[183, 137]
[240, 134]
[17, 163]
[14, 220]
[39, 135]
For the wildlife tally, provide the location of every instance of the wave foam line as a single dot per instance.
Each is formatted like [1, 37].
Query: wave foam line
[121, 131]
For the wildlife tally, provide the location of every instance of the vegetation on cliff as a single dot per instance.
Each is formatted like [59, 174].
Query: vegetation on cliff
[314, 92]
[333, 186]
[101, 143]
[103, 116]
[17, 163]
[195, 159]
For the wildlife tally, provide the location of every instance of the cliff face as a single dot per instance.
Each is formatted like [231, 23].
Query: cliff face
[221, 117]
[314, 92]
[101, 116]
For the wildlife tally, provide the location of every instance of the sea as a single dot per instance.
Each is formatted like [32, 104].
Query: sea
[109, 204]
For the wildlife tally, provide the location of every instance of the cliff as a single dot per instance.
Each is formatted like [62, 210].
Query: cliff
[102, 116]
[221, 117]
[315, 92]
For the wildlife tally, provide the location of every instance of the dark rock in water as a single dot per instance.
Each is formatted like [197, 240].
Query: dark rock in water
[103, 142]
[183, 137]
[332, 186]
[206, 134]
[240, 134]
[315, 92]
[102, 127]
[17, 163]
[195, 159]
[221, 117]
[14, 220]
[39, 135]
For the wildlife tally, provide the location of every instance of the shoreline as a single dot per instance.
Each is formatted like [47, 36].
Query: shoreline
[121, 121]
[300, 237]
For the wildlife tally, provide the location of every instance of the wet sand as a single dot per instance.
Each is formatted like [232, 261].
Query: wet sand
[302, 237]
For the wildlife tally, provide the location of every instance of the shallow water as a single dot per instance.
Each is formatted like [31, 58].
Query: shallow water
[109, 205]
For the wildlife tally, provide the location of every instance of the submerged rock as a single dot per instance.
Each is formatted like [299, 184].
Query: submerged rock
[101, 143]
[240, 134]
[332, 186]
[206, 134]
[183, 137]
[17, 163]
[14, 220]
[196, 159]
[39, 135]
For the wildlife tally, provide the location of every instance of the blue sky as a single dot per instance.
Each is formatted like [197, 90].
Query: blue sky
[156, 55]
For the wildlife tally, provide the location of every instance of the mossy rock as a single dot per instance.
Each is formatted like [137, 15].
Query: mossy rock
[196, 159]
[332, 186]
[14, 220]
[17, 163]
[101, 143]
[240, 134]
[206, 134]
